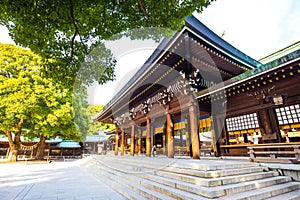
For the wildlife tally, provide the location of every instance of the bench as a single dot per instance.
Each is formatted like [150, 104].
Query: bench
[273, 153]
[206, 150]
[180, 151]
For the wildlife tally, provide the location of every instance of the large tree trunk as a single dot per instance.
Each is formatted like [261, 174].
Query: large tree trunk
[17, 142]
[10, 157]
[41, 148]
[14, 144]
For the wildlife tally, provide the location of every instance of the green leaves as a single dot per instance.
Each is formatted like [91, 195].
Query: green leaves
[25, 94]
[95, 126]
[68, 31]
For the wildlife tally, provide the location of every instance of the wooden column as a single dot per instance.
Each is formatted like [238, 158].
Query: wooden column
[194, 131]
[164, 142]
[122, 142]
[170, 138]
[132, 139]
[274, 126]
[188, 138]
[152, 136]
[265, 121]
[215, 129]
[117, 143]
[136, 141]
[139, 142]
[268, 133]
[148, 138]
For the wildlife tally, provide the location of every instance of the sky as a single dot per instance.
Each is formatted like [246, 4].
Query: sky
[255, 27]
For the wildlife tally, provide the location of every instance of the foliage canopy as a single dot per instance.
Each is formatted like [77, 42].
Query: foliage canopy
[68, 31]
[44, 107]
[95, 126]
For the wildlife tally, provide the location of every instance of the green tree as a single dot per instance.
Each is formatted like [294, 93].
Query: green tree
[66, 32]
[81, 119]
[95, 126]
[30, 101]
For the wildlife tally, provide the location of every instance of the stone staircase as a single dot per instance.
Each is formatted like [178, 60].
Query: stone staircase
[141, 177]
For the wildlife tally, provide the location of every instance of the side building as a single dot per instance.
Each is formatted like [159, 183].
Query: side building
[198, 92]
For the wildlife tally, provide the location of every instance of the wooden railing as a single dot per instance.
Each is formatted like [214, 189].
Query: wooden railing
[287, 153]
[180, 151]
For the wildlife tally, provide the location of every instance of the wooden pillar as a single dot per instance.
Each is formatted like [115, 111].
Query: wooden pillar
[164, 142]
[268, 133]
[148, 138]
[136, 141]
[117, 143]
[132, 139]
[265, 121]
[194, 132]
[122, 142]
[215, 135]
[170, 137]
[152, 136]
[139, 142]
[188, 138]
[274, 126]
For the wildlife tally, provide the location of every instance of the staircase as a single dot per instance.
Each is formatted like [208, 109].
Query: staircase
[142, 177]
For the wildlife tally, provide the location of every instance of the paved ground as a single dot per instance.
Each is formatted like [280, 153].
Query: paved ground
[56, 180]
[66, 180]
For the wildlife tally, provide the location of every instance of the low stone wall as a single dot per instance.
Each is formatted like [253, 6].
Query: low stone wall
[292, 170]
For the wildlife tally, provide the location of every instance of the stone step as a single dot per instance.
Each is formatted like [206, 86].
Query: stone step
[214, 166]
[119, 188]
[209, 182]
[193, 172]
[216, 181]
[130, 189]
[90, 168]
[293, 195]
[147, 179]
[209, 192]
[252, 185]
[217, 173]
[218, 191]
[284, 191]
[152, 185]
[211, 165]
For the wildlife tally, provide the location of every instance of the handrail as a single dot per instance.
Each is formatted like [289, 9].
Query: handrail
[274, 155]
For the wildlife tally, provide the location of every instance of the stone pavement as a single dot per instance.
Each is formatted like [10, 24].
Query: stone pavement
[56, 180]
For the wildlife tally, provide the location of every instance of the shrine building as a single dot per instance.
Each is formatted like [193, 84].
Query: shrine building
[197, 93]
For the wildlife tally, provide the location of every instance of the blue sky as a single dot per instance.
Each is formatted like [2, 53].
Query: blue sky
[256, 27]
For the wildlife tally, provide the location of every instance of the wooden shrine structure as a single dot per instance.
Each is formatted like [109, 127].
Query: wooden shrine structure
[197, 90]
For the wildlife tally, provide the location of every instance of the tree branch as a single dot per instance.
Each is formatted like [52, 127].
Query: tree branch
[76, 29]
[142, 7]
[75, 33]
